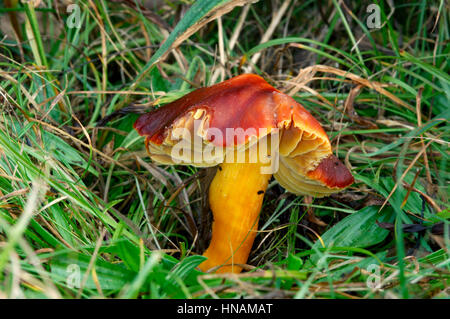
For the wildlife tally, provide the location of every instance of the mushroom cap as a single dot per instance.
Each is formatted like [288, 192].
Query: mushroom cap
[251, 110]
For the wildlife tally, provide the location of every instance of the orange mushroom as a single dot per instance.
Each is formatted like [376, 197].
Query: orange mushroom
[195, 130]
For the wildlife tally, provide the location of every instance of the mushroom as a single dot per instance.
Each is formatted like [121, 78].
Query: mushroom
[226, 125]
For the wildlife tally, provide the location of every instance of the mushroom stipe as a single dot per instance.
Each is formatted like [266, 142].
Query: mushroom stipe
[245, 103]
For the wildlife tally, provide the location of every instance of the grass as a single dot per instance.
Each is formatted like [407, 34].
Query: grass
[84, 213]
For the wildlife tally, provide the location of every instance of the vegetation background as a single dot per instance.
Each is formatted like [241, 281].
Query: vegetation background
[85, 214]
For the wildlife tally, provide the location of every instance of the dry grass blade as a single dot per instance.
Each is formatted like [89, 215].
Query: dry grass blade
[419, 123]
[15, 193]
[269, 32]
[76, 140]
[404, 174]
[306, 75]
[92, 261]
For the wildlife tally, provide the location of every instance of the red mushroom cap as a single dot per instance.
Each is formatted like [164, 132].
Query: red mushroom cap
[248, 102]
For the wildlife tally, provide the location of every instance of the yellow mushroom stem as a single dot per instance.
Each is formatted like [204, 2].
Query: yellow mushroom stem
[235, 197]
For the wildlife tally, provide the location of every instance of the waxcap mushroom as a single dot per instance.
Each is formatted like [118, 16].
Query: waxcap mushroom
[260, 118]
